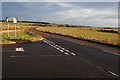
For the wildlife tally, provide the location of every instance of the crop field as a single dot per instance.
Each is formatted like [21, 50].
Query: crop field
[84, 33]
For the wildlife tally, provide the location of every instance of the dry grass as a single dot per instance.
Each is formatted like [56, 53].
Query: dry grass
[86, 33]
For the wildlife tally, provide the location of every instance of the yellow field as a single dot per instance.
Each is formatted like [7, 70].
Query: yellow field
[86, 33]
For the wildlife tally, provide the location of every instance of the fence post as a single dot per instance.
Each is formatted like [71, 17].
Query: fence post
[15, 30]
[8, 30]
[93, 38]
[108, 40]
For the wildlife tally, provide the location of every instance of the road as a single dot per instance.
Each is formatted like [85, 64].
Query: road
[58, 57]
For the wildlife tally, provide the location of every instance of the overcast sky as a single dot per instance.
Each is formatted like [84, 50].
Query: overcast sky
[60, 0]
[81, 13]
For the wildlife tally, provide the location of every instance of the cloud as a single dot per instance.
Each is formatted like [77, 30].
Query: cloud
[64, 4]
[85, 13]
[95, 14]
[91, 16]
[60, 0]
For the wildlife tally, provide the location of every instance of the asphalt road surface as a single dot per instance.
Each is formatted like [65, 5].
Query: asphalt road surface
[57, 57]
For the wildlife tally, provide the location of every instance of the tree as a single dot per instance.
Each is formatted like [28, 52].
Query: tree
[67, 25]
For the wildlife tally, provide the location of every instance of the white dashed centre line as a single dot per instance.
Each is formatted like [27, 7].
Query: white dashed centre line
[51, 45]
[72, 53]
[66, 53]
[113, 73]
[55, 47]
[61, 49]
[58, 48]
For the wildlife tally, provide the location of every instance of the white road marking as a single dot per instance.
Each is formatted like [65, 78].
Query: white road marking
[111, 52]
[107, 51]
[51, 45]
[49, 41]
[61, 49]
[58, 48]
[67, 50]
[19, 49]
[55, 47]
[72, 53]
[45, 41]
[75, 54]
[113, 73]
[66, 53]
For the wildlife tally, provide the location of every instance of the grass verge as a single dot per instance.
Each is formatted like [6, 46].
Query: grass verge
[84, 33]
[22, 35]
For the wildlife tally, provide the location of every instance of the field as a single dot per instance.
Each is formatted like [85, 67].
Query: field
[21, 25]
[84, 33]
[22, 33]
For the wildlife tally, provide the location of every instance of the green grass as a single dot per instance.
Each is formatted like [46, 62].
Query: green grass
[21, 35]
[86, 33]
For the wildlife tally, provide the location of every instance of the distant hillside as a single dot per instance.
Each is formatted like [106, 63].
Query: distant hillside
[35, 22]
